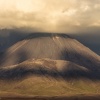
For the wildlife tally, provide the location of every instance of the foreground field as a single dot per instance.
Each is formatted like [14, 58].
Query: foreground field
[47, 86]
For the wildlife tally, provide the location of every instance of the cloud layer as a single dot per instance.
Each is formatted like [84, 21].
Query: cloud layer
[51, 15]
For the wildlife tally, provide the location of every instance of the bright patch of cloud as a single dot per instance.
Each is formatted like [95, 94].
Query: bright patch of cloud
[70, 12]
[53, 15]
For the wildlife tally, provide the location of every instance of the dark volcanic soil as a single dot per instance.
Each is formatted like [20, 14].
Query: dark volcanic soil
[53, 98]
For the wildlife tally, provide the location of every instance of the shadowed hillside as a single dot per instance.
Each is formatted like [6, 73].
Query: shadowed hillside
[46, 67]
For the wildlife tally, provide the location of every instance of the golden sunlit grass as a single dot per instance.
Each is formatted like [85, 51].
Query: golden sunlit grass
[38, 86]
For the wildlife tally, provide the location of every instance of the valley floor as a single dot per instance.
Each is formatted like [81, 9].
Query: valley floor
[47, 88]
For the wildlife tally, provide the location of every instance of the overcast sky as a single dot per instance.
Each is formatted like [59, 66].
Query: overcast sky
[51, 15]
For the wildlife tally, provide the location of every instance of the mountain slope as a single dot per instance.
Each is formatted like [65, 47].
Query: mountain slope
[53, 46]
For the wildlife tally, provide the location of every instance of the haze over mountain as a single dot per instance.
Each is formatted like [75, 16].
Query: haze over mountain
[91, 40]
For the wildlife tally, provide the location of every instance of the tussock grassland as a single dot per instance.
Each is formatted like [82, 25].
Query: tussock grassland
[47, 86]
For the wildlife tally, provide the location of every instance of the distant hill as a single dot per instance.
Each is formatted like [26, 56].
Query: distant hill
[48, 67]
